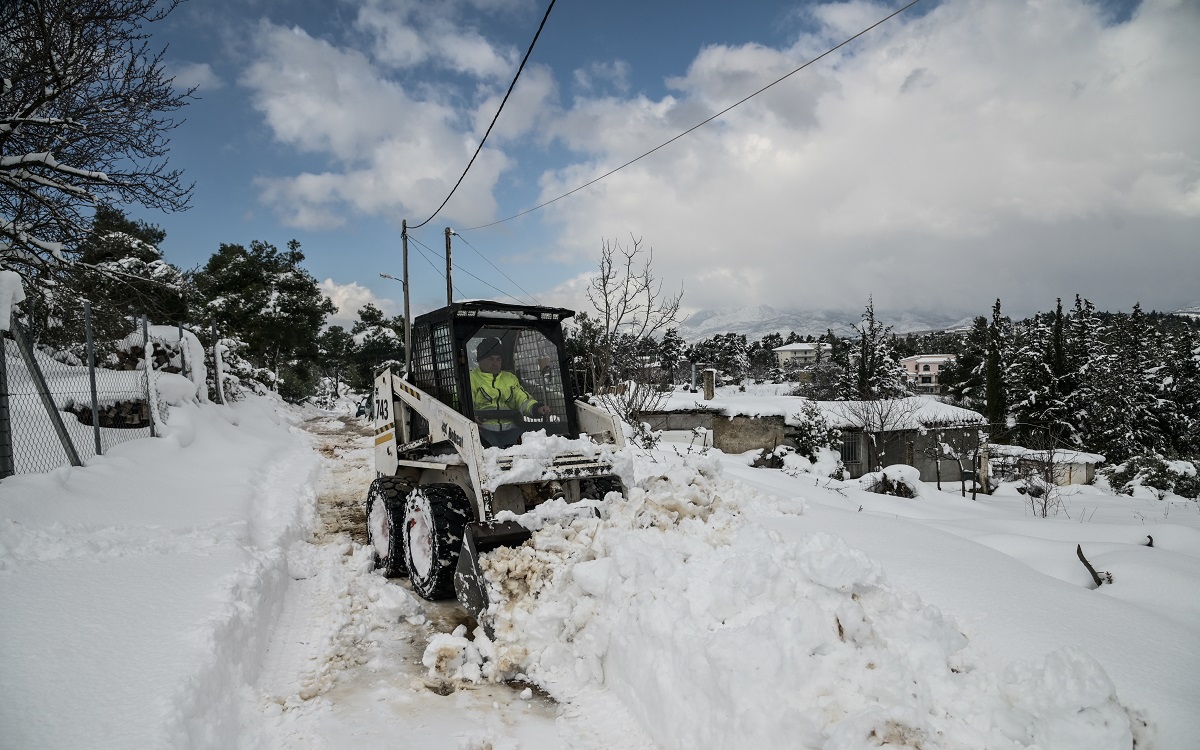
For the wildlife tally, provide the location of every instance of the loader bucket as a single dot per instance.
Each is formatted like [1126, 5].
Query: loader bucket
[469, 584]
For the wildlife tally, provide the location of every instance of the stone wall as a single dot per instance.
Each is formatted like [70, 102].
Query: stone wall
[740, 434]
[121, 415]
[679, 420]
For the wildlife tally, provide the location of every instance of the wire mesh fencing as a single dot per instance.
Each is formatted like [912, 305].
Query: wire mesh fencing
[75, 388]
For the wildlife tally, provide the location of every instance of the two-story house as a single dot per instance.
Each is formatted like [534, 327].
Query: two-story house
[922, 371]
[801, 354]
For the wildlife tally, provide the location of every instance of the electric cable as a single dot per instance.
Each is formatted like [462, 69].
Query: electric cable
[701, 124]
[498, 270]
[528, 52]
[460, 268]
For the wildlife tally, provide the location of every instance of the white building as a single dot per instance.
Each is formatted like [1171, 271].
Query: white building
[801, 354]
[923, 370]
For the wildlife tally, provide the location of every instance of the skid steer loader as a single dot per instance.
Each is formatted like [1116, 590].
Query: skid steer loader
[431, 511]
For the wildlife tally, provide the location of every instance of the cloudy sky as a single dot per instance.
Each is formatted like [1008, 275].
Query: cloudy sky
[963, 151]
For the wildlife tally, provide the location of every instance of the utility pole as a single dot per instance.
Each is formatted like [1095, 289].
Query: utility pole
[407, 312]
[449, 284]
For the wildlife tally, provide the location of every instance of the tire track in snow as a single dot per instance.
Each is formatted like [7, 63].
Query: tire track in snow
[344, 662]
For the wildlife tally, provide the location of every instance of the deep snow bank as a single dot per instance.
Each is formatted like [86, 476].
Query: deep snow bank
[716, 632]
[137, 592]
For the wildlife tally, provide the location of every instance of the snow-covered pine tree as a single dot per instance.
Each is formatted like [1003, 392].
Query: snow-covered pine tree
[879, 372]
[671, 352]
[963, 379]
[1126, 422]
[995, 403]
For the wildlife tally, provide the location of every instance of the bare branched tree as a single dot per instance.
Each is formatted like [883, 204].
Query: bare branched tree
[630, 307]
[84, 105]
[879, 417]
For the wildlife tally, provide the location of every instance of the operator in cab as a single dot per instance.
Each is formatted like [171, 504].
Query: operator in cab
[494, 389]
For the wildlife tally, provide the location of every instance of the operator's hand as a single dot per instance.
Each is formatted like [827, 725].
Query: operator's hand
[543, 410]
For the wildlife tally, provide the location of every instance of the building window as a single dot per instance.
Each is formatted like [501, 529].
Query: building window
[927, 379]
[851, 447]
[924, 368]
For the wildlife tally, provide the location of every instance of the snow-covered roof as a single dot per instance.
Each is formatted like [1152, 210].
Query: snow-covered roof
[1058, 455]
[929, 358]
[913, 413]
[801, 347]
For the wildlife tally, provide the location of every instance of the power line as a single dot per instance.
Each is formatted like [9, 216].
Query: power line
[701, 124]
[460, 268]
[498, 270]
[528, 52]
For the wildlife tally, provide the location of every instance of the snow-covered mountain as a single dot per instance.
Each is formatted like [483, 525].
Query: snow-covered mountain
[1191, 311]
[759, 320]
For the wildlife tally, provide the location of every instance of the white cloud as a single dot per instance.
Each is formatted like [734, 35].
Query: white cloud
[390, 149]
[600, 76]
[194, 75]
[982, 149]
[408, 34]
[349, 299]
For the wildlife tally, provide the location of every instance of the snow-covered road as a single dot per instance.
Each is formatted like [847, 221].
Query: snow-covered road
[344, 667]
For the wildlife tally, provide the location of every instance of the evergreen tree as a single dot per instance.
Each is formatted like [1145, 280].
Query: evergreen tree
[336, 347]
[671, 352]
[1125, 422]
[582, 338]
[1181, 385]
[121, 272]
[995, 403]
[378, 342]
[1087, 361]
[265, 298]
[963, 379]
[879, 372]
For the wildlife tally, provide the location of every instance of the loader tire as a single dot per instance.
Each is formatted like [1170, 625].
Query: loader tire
[385, 525]
[435, 516]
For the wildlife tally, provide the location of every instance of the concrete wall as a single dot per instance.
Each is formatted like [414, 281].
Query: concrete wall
[679, 420]
[740, 434]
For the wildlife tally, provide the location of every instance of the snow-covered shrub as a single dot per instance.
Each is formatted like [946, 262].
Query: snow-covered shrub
[899, 480]
[811, 433]
[1180, 477]
[239, 376]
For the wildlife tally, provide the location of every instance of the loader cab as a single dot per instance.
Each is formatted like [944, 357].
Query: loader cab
[508, 403]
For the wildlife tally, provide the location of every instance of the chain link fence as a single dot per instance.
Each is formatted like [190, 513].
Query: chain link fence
[77, 384]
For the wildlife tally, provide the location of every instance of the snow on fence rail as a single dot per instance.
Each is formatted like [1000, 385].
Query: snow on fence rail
[81, 398]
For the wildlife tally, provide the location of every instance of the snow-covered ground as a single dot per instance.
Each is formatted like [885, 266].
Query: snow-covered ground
[210, 589]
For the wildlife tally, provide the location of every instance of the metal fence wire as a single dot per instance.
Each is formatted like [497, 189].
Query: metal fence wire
[62, 411]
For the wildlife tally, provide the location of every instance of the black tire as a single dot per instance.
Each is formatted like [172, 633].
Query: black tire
[435, 516]
[385, 525]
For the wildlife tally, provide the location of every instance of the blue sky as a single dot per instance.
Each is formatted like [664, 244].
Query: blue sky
[964, 151]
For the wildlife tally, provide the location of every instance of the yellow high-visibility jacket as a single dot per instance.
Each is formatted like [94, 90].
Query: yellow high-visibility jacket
[500, 391]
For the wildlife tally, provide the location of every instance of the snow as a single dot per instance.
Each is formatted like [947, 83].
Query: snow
[165, 595]
[1058, 455]
[915, 412]
[11, 293]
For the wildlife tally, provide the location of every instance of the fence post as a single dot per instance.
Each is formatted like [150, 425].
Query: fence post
[183, 363]
[44, 392]
[151, 396]
[217, 367]
[91, 355]
[7, 464]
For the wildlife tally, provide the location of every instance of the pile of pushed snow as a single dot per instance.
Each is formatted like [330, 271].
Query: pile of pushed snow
[716, 632]
[528, 460]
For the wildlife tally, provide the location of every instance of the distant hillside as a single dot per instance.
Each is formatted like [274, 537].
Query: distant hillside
[756, 322]
[1188, 312]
